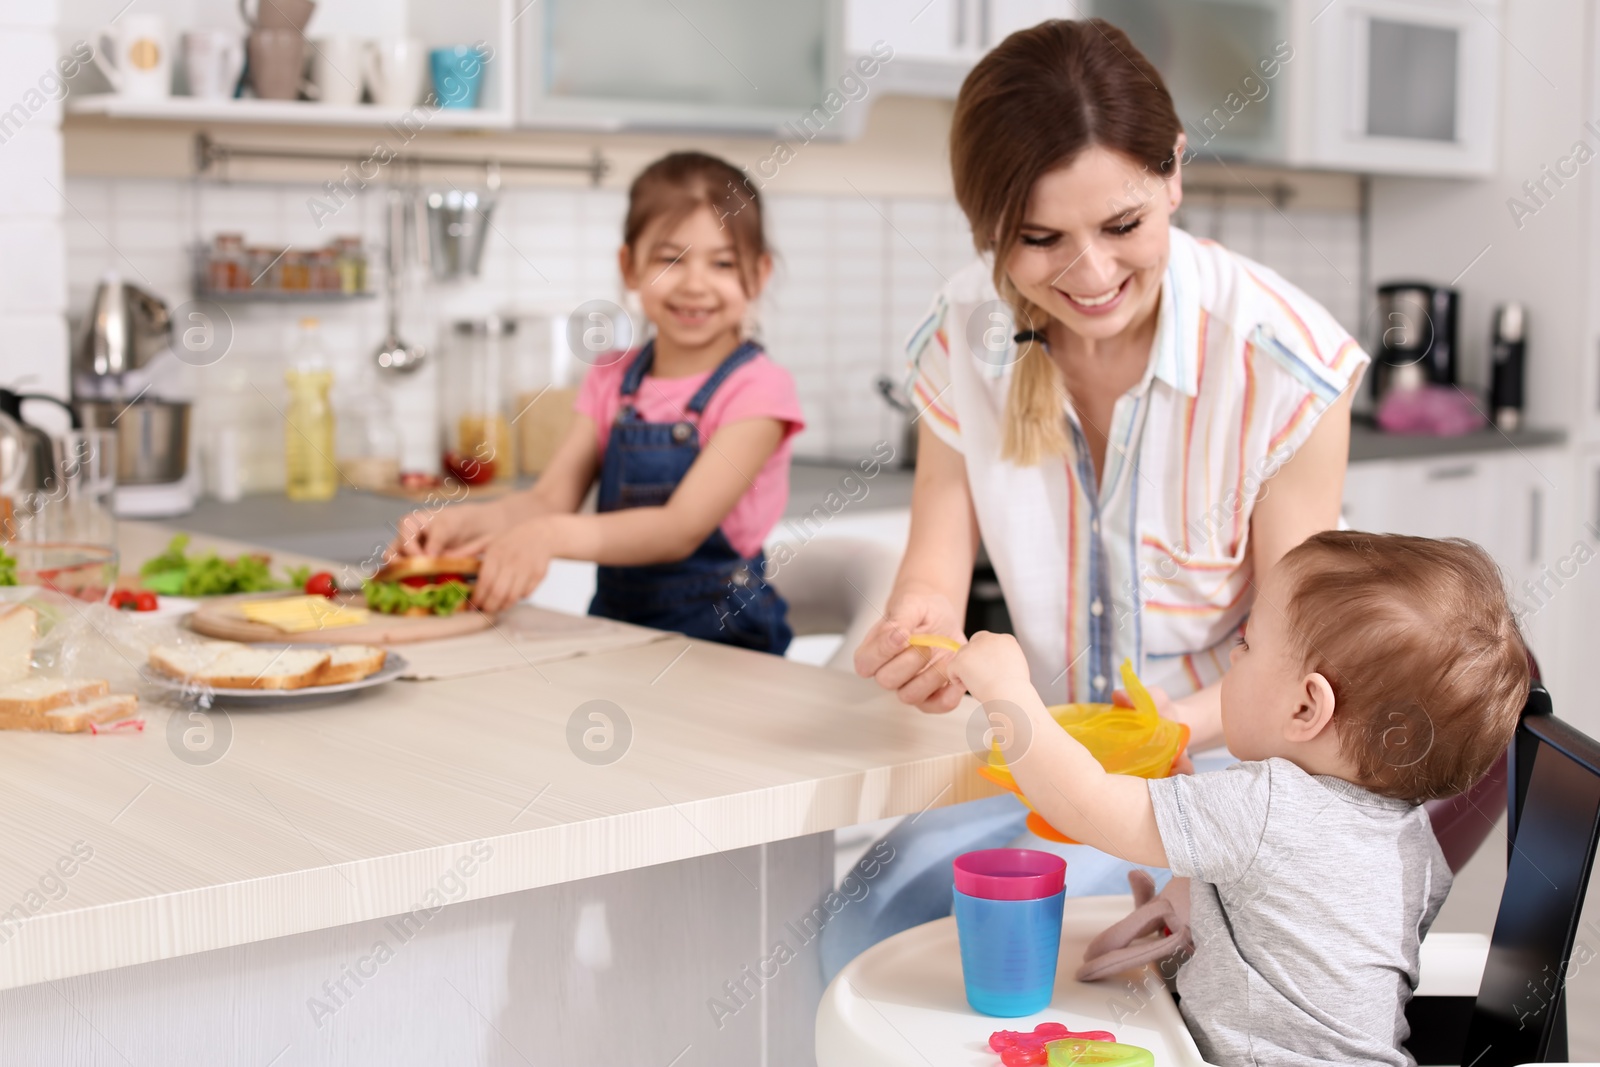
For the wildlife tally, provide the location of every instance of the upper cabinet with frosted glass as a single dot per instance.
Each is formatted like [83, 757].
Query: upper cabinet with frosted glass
[733, 65]
[1373, 86]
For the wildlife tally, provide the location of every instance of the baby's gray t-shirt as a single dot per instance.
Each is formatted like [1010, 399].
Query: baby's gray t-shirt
[1309, 899]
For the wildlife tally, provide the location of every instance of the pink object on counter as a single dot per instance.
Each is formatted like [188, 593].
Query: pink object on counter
[1010, 874]
[1431, 410]
[1022, 1048]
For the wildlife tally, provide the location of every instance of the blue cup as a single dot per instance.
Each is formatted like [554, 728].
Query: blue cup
[1008, 952]
[457, 75]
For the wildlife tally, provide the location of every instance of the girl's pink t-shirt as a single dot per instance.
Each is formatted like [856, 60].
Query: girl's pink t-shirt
[759, 389]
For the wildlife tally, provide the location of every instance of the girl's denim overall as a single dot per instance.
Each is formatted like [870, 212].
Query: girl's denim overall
[715, 593]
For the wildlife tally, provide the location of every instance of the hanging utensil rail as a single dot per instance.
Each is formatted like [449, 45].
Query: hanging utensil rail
[209, 154]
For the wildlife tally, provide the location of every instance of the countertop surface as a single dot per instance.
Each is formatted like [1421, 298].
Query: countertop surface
[317, 817]
[1368, 443]
[355, 526]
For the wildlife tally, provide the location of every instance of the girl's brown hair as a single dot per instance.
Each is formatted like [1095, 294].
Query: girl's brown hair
[677, 185]
[1031, 105]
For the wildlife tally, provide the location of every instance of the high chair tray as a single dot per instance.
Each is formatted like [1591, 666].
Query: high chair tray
[901, 1002]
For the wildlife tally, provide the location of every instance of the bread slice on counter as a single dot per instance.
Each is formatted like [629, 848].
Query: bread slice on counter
[75, 718]
[231, 665]
[25, 704]
[265, 668]
[19, 628]
[351, 663]
[188, 660]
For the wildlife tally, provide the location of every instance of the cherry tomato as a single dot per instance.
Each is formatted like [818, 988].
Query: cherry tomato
[124, 600]
[469, 470]
[144, 600]
[322, 584]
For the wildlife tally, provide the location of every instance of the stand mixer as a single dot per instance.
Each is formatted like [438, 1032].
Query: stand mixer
[126, 378]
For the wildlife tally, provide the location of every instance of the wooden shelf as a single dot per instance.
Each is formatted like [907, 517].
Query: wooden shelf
[280, 296]
[286, 113]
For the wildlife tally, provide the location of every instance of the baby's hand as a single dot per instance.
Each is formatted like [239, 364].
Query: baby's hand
[988, 662]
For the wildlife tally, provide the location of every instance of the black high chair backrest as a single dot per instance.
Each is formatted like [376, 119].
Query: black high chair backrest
[1553, 822]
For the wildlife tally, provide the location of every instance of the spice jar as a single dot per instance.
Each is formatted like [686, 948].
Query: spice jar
[226, 268]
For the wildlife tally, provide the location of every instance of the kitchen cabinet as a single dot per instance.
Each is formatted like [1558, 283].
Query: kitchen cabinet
[936, 42]
[1502, 500]
[1370, 86]
[724, 65]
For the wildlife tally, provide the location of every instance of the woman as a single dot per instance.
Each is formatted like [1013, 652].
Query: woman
[1156, 425]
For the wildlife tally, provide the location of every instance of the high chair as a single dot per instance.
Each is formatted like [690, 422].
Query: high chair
[1481, 1002]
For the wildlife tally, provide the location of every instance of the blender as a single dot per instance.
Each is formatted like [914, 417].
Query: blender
[126, 378]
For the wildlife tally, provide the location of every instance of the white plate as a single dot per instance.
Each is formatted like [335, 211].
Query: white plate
[169, 607]
[394, 665]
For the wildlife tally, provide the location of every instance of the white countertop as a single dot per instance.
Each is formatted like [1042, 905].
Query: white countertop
[324, 816]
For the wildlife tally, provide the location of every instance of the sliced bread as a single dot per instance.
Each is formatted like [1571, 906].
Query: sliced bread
[351, 663]
[25, 703]
[74, 718]
[19, 627]
[189, 659]
[264, 668]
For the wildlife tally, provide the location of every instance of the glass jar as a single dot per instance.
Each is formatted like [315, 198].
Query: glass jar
[294, 272]
[226, 268]
[324, 270]
[351, 259]
[265, 267]
[477, 430]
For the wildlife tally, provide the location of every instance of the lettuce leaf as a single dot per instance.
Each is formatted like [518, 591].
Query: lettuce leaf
[393, 598]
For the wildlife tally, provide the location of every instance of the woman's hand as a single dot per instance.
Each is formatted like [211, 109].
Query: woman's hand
[513, 566]
[460, 530]
[918, 675]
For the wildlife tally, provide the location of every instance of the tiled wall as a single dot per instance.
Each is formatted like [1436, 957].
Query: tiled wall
[854, 274]
[32, 272]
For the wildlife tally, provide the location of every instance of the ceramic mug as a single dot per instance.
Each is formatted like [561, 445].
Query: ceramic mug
[212, 60]
[278, 14]
[336, 70]
[277, 59]
[457, 75]
[134, 58]
[395, 71]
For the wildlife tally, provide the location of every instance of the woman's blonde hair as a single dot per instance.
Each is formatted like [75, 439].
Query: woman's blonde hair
[1043, 95]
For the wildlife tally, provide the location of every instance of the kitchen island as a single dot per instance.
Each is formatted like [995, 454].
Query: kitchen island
[453, 871]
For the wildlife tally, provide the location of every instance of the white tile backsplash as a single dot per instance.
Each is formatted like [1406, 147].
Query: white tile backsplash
[854, 275]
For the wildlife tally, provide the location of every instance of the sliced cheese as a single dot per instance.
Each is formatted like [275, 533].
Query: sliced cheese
[302, 614]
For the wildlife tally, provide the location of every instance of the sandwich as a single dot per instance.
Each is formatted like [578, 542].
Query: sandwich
[422, 585]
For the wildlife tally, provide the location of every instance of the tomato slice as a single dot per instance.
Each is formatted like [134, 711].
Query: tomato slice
[416, 581]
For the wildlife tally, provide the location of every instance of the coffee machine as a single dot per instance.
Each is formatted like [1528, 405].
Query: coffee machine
[125, 378]
[1416, 342]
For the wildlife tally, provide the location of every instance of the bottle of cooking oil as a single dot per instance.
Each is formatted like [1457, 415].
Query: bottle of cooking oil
[308, 435]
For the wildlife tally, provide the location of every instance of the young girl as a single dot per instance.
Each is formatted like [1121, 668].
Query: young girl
[689, 436]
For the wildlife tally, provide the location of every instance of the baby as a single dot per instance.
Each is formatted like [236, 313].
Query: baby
[1378, 671]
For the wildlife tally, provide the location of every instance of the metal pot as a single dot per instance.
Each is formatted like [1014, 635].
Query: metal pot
[152, 437]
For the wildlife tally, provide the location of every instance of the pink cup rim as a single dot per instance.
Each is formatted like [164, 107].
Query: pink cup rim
[1010, 874]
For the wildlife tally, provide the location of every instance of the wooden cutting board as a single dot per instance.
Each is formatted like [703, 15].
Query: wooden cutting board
[220, 617]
